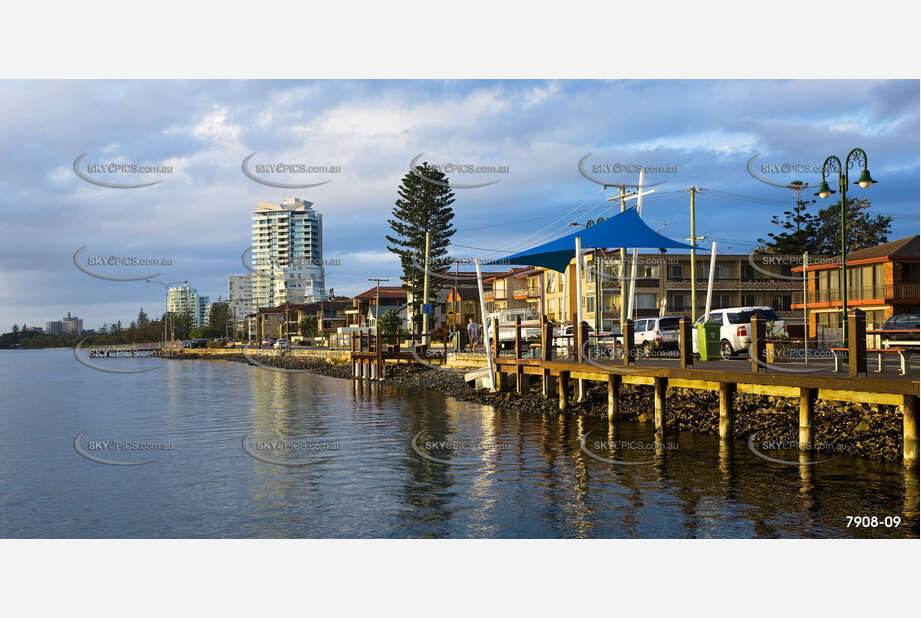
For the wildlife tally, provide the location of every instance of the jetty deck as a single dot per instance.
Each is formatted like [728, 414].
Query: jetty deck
[759, 374]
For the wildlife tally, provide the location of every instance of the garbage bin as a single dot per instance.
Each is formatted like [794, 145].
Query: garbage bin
[708, 340]
[460, 340]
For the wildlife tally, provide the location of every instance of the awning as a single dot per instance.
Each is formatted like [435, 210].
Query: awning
[626, 229]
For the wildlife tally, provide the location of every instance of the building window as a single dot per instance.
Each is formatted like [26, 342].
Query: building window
[750, 300]
[645, 271]
[722, 271]
[721, 300]
[590, 304]
[645, 301]
[550, 276]
[782, 302]
[679, 302]
[675, 273]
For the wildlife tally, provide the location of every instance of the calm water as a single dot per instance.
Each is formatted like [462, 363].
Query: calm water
[509, 474]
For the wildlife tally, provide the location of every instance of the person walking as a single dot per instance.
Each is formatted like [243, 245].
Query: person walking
[473, 332]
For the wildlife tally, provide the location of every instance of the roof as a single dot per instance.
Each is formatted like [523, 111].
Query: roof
[386, 291]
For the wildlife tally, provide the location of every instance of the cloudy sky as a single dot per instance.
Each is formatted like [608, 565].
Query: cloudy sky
[702, 133]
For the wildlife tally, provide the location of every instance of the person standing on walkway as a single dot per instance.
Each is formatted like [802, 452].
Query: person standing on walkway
[473, 332]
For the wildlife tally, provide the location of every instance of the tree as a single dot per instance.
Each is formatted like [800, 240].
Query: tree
[424, 206]
[142, 320]
[308, 327]
[862, 229]
[15, 328]
[389, 322]
[820, 233]
[219, 316]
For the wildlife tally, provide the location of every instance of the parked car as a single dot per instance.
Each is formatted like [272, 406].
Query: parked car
[735, 324]
[654, 334]
[198, 343]
[281, 344]
[903, 321]
[268, 342]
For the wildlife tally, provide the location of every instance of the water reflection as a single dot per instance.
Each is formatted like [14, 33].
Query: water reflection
[514, 474]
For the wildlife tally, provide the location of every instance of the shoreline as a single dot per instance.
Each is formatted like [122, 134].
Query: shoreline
[868, 431]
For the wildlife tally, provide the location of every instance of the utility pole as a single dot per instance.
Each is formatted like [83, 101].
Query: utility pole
[693, 191]
[377, 302]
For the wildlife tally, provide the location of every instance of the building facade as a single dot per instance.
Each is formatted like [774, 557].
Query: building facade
[68, 325]
[184, 299]
[287, 253]
[882, 280]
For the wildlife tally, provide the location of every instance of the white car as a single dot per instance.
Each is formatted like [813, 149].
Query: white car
[735, 324]
[654, 334]
[281, 344]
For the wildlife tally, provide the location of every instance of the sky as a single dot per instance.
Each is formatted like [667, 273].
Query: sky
[531, 135]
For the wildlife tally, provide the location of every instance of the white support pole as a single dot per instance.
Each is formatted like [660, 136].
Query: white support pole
[639, 211]
[486, 344]
[425, 293]
[578, 323]
[710, 280]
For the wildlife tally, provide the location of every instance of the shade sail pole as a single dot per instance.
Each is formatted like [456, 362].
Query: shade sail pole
[639, 211]
[710, 281]
[479, 283]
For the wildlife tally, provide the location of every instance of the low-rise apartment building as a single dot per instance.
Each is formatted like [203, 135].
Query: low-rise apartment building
[882, 280]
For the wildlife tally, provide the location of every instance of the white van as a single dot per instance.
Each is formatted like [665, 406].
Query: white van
[735, 324]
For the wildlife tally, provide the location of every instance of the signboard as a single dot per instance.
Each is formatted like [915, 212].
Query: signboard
[450, 317]
[428, 308]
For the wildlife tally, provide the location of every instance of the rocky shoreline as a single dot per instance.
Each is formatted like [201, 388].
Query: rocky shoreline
[844, 428]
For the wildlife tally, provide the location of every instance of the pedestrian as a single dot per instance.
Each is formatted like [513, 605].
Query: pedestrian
[473, 331]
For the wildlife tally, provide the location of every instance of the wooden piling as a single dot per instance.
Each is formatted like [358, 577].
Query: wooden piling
[546, 346]
[613, 397]
[856, 343]
[627, 341]
[807, 397]
[659, 388]
[563, 383]
[727, 413]
[757, 343]
[685, 344]
[910, 430]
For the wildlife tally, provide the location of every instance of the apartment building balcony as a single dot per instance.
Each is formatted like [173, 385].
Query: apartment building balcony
[768, 285]
[878, 294]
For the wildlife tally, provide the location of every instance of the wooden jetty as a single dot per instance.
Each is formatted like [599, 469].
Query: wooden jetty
[567, 377]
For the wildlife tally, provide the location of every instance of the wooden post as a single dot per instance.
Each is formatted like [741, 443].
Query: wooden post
[856, 343]
[757, 343]
[659, 388]
[727, 412]
[627, 339]
[546, 345]
[613, 396]
[910, 430]
[583, 339]
[807, 398]
[495, 339]
[518, 373]
[563, 382]
[685, 346]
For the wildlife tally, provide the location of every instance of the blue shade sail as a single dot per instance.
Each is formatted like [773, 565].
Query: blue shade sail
[626, 229]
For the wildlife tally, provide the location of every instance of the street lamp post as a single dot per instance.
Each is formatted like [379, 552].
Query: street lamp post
[832, 164]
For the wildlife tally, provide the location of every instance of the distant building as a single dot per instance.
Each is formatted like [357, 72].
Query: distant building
[287, 253]
[240, 295]
[184, 299]
[69, 325]
[363, 311]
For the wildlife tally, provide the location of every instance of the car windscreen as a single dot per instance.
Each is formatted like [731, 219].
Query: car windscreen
[669, 323]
